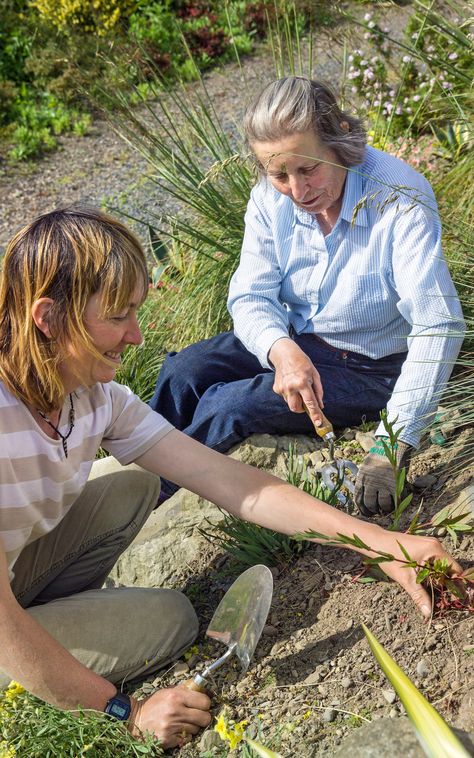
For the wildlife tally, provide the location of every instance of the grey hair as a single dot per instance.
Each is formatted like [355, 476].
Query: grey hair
[296, 104]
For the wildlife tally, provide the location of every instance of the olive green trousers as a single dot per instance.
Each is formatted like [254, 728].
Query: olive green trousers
[121, 633]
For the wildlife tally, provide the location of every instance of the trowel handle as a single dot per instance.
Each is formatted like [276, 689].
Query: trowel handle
[191, 684]
[326, 426]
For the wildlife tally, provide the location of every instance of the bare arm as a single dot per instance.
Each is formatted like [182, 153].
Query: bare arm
[256, 496]
[31, 656]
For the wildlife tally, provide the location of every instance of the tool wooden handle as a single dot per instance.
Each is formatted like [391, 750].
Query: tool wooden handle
[326, 426]
[190, 684]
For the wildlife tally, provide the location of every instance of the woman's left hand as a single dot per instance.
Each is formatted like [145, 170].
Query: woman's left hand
[421, 550]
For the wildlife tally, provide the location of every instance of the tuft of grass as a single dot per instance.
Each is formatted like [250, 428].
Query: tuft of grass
[30, 728]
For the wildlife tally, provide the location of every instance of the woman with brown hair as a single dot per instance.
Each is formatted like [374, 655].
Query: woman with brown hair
[71, 285]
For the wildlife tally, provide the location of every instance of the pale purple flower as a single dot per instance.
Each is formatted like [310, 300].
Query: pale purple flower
[416, 98]
[367, 17]
[452, 56]
[371, 24]
[406, 59]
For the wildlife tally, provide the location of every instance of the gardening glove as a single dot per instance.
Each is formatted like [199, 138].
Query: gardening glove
[375, 484]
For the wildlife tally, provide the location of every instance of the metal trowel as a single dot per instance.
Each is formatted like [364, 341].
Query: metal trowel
[239, 620]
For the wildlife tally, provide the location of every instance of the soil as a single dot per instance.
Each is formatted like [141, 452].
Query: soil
[312, 678]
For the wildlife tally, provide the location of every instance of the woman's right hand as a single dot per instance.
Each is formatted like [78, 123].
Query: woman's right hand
[296, 379]
[173, 715]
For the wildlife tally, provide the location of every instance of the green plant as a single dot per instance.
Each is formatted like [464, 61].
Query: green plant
[390, 449]
[30, 728]
[434, 735]
[452, 592]
[250, 544]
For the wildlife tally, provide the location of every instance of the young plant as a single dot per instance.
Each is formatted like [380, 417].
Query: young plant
[454, 592]
[250, 544]
[391, 453]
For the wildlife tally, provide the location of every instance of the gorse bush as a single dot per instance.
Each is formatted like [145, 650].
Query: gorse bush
[97, 16]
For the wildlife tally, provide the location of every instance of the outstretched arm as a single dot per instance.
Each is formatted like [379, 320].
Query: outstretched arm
[256, 496]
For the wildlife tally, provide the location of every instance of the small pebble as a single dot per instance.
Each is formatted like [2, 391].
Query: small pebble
[426, 481]
[323, 690]
[390, 696]
[180, 668]
[313, 678]
[393, 713]
[455, 686]
[346, 682]
[422, 668]
[329, 715]
[269, 630]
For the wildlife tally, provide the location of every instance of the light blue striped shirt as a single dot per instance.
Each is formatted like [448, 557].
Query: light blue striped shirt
[378, 284]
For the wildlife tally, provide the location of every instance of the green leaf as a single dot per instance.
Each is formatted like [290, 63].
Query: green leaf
[261, 750]
[421, 575]
[434, 735]
[405, 552]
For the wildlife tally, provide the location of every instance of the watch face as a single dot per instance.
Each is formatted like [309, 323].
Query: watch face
[119, 707]
[119, 710]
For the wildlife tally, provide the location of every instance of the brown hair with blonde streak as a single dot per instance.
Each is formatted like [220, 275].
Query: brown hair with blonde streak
[67, 255]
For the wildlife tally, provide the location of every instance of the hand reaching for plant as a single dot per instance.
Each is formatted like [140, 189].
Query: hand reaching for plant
[422, 551]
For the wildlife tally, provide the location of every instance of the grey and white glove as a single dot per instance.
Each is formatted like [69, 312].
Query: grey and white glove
[375, 484]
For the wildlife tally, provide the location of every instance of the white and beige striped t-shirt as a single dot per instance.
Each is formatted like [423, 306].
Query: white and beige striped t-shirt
[38, 484]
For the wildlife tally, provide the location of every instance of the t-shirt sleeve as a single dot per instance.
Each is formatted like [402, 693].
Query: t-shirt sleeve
[134, 427]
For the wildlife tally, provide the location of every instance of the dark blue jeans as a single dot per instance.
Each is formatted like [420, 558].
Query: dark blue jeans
[217, 392]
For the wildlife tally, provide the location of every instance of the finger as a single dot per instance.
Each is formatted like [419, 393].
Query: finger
[421, 599]
[386, 501]
[370, 500]
[312, 409]
[318, 388]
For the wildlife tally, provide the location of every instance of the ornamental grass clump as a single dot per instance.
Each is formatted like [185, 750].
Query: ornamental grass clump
[30, 728]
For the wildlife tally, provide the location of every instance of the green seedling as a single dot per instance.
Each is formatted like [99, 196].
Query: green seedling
[390, 448]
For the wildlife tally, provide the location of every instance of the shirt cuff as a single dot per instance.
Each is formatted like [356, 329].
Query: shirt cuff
[265, 343]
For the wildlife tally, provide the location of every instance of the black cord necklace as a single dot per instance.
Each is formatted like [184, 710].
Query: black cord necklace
[64, 437]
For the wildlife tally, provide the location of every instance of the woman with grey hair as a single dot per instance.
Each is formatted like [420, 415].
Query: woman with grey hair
[342, 300]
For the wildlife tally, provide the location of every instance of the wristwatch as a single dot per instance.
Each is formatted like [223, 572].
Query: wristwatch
[119, 706]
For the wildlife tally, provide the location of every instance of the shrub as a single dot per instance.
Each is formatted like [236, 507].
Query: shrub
[97, 16]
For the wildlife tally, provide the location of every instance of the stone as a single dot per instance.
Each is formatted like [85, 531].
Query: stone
[390, 696]
[269, 630]
[366, 440]
[209, 740]
[348, 434]
[180, 668]
[346, 682]
[386, 738]
[329, 715]
[464, 504]
[422, 668]
[313, 678]
[323, 690]
[425, 482]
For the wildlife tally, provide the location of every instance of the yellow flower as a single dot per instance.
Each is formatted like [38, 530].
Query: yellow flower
[6, 751]
[231, 734]
[13, 691]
